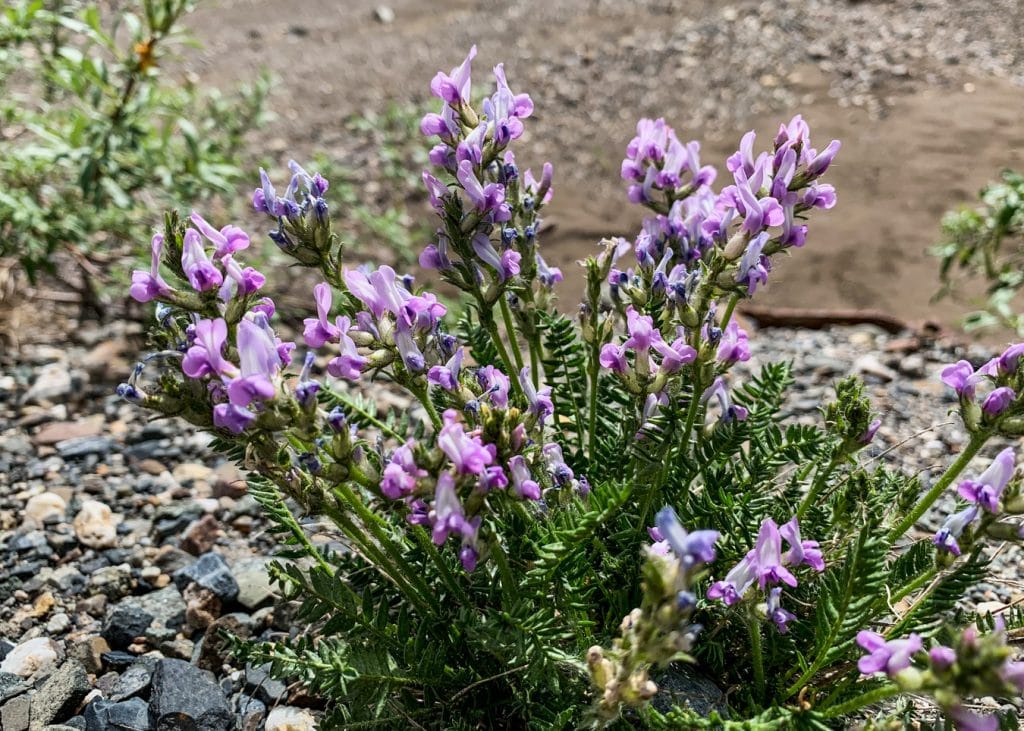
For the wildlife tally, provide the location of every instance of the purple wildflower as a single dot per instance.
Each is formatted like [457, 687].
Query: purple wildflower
[754, 266]
[205, 356]
[504, 110]
[493, 478]
[149, 285]
[961, 378]
[447, 376]
[235, 419]
[561, 473]
[259, 361]
[733, 347]
[776, 612]
[488, 199]
[613, 357]
[735, 584]
[201, 272]
[768, 553]
[946, 537]
[988, 488]
[890, 656]
[801, 552]
[999, 400]
[306, 389]
[239, 281]
[401, 473]
[319, 329]
[1010, 358]
[548, 275]
[691, 549]
[379, 291]
[454, 88]
[495, 385]
[970, 721]
[539, 401]
[468, 454]
[869, 434]
[226, 241]
[522, 481]
[675, 355]
[506, 264]
[349, 364]
[942, 657]
[719, 391]
[447, 514]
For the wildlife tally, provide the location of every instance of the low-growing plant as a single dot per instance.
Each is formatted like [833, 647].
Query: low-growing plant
[512, 545]
[987, 243]
[92, 135]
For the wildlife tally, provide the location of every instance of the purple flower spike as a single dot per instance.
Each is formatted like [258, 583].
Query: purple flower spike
[226, 241]
[454, 88]
[999, 400]
[733, 347]
[259, 361]
[205, 356]
[447, 515]
[468, 454]
[493, 478]
[488, 199]
[675, 355]
[946, 537]
[777, 613]
[889, 657]
[768, 553]
[693, 548]
[522, 481]
[506, 264]
[319, 329]
[549, 276]
[869, 434]
[988, 488]
[235, 419]
[539, 401]
[437, 190]
[819, 163]
[239, 281]
[147, 286]
[201, 272]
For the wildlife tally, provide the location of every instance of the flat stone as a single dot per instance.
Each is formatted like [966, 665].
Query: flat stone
[132, 682]
[269, 690]
[11, 685]
[36, 655]
[44, 506]
[210, 572]
[15, 714]
[129, 715]
[89, 652]
[185, 698]
[95, 526]
[84, 446]
[201, 535]
[254, 586]
[61, 431]
[53, 383]
[60, 695]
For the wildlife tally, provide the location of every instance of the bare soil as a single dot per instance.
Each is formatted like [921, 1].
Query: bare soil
[927, 97]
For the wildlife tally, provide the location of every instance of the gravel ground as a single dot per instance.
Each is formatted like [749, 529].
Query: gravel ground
[124, 543]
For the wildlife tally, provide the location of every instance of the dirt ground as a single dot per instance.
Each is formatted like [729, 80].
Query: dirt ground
[926, 96]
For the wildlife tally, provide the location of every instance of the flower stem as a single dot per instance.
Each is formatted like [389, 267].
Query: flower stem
[977, 440]
[487, 320]
[506, 315]
[728, 310]
[865, 699]
[754, 629]
[816, 487]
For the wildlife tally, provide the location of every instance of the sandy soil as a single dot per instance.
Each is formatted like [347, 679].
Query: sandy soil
[927, 98]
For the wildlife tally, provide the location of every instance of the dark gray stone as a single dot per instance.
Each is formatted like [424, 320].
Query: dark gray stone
[251, 713]
[185, 698]
[130, 715]
[124, 623]
[258, 680]
[681, 685]
[84, 446]
[132, 682]
[61, 694]
[210, 572]
[11, 685]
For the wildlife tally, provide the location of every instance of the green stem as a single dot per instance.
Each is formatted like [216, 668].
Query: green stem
[492, 329]
[915, 584]
[594, 368]
[865, 699]
[754, 629]
[816, 487]
[977, 440]
[508, 584]
[373, 420]
[424, 398]
[506, 315]
[728, 310]
[450, 579]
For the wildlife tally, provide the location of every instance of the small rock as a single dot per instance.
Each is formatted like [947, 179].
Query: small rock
[251, 713]
[229, 481]
[383, 14]
[113, 582]
[187, 698]
[189, 472]
[11, 685]
[210, 572]
[201, 536]
[289, 718]
[60, 695]
[132, 682]
[14, 716]
[38, 655]
[130, 715]
[869, 365]
[152, 467]
[44, 506]
[62, 431]
[254, 586]
[53, 383]
[913, 365]
[202, 606]
[58, 624]
[267, 688]
[94, 525]
[124, 623]
[89, 652]
[84, 446]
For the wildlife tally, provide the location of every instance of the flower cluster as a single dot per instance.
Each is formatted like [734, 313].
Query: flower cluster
[660, 631]
[975, 665]
[999, 373]
[767, 566]
[303, 223]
